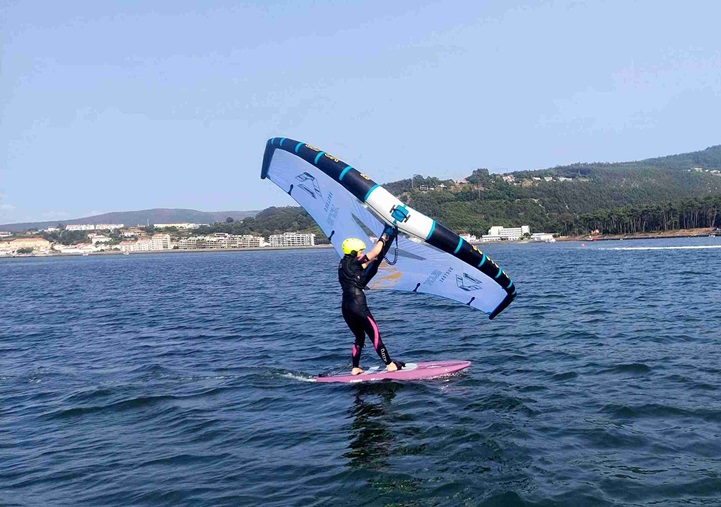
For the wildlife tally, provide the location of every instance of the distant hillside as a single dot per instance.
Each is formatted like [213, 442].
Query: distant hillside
[651, 181]
[142, 217]
[550, 199]
[710, 158]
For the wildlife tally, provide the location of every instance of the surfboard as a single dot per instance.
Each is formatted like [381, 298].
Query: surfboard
[411, 371]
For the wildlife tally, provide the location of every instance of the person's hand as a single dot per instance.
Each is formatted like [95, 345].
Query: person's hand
[389, 234]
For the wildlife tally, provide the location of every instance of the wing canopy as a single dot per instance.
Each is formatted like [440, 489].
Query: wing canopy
[345, 203]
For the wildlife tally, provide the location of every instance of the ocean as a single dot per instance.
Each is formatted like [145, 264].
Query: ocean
[182, 379]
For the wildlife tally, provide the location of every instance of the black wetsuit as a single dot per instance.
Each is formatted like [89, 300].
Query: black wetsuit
[353, 279]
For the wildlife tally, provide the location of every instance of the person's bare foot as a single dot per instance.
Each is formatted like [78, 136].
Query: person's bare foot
[391, 367]
[356, 371]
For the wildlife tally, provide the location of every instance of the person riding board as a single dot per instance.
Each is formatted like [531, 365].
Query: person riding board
[355, 271]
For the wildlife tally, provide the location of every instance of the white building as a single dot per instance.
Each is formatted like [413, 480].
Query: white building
[126, 246]
[80, 227]
[509, 233]
[132, 233]
[98, 238]
[5, 234]
[543, 236]
[157, 243]
[248, 241]
[160, 242]
[192, 243]
[177, 226]
[468, 238]
[291, 239]
[221, 240]
[80, 248]
[143, 245]
[108, 227]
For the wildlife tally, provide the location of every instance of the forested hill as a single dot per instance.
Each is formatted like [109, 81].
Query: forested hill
[550, 199]
[710, 158]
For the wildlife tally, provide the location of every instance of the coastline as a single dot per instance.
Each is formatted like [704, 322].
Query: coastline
[197, 250]
[678, 233]
[176, 251]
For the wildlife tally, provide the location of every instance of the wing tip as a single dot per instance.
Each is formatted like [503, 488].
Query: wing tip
[504, 304]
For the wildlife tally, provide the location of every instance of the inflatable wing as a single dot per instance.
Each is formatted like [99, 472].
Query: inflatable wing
[346, 203]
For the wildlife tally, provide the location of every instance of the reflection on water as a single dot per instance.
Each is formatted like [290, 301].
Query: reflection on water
[370, 435]
[378, 435]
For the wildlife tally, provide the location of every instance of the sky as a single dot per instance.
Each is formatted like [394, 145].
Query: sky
[128, 105]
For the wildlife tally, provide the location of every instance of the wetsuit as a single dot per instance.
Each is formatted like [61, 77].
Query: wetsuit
[353, 279]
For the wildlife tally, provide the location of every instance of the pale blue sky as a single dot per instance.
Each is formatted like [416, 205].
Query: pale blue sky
[112, 106]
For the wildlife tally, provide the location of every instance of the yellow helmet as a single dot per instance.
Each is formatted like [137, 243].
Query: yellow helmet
[351, 245]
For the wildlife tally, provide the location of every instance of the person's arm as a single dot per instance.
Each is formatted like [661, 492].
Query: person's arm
[374, 252]
[381, 246]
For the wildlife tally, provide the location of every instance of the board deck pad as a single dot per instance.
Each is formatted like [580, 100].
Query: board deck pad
[411, 371]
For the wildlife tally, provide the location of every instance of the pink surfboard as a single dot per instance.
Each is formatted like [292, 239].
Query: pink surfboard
[411, 371]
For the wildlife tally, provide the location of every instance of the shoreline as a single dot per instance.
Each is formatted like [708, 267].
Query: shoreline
[173, 251]
[678, 233]
[196, 250]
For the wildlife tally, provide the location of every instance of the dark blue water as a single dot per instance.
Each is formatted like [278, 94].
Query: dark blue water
[178, 380]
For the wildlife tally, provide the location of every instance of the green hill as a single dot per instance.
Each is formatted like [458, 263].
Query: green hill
[551, 199]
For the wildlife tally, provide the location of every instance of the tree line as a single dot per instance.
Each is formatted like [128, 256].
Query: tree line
[704, 212]
[477, 216]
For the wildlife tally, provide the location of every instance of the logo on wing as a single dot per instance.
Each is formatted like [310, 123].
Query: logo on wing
[468, 283]
[309, 184]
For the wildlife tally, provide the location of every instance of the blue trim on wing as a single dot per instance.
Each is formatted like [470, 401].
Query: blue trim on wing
[370, 192]
[433, 228]
[340, 178]
[460, 242]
